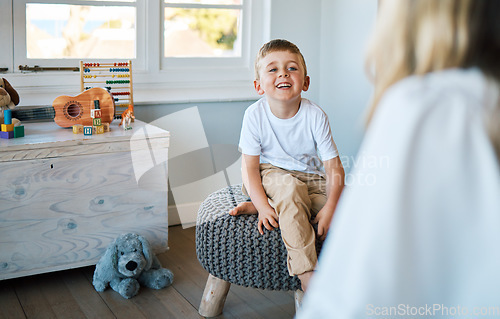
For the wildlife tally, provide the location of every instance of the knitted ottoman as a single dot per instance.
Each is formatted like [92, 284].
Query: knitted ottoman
[231, 249]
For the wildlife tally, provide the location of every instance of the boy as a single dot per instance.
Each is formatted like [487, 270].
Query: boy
[281, 137]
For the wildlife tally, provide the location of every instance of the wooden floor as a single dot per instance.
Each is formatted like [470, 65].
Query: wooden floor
[70, 294]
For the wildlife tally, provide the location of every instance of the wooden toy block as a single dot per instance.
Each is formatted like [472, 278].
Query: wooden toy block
[99, 129]
[19, 131]
[6, 135]
[106, 127]
[87, 130]
[7, 117]
[95, 113]
[96, 122]
[7, 127]
[78, 129]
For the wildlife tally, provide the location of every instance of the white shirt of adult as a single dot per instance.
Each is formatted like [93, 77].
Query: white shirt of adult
[420, 232]
[299, 143]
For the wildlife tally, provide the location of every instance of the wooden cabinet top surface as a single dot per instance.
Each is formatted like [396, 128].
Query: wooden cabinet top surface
[47, 139]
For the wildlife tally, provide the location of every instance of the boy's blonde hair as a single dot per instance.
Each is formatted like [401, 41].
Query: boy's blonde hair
[415, 37]
[278, 45]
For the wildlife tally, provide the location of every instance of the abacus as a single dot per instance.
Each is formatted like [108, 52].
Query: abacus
[114, 77]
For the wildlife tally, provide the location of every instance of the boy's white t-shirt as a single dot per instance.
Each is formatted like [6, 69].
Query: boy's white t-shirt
[299, 143]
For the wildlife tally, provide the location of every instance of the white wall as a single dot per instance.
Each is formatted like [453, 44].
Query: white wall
[344, 88]
[299, 21]
[332, 36]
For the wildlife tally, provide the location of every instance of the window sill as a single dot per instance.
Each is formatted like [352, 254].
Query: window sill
[33, 92]
[204, 93]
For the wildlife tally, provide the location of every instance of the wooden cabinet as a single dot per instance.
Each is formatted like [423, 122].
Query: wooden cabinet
[65, 197]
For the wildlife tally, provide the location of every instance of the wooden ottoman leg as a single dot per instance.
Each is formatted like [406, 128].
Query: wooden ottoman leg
[214, 297]
[298, 295]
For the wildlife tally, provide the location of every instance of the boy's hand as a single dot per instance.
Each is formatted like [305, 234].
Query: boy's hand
[268, 218]
[335, 176]
[323, 220]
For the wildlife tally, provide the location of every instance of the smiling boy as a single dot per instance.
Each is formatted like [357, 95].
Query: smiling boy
[290, 165]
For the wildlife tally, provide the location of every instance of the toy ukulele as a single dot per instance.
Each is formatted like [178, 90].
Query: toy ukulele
[76, 110]
[70, 110]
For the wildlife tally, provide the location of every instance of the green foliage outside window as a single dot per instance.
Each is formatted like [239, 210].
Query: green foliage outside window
[219, 28]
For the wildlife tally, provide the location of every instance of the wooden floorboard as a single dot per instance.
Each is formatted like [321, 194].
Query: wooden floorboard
[29, 290]
[9, 303]
[83, 292]
[60, 300]
[70, 293]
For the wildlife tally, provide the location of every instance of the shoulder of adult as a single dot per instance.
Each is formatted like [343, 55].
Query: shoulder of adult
[470, 83]
[434, 94]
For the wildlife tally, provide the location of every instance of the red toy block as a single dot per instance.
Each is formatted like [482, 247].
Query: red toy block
[94, 113]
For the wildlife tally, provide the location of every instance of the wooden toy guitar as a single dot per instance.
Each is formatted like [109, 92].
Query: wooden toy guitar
[70, 110]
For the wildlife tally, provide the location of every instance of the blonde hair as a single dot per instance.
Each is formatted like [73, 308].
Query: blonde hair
[415, 37]
[278, 45]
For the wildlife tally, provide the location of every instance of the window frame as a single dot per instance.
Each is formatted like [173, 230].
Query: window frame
[6, 37]
[155, 81]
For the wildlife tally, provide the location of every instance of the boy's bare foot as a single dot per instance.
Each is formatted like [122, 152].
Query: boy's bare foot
[304, 279]
[243, 208]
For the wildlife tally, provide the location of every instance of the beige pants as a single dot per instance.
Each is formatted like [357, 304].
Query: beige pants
[295, 196]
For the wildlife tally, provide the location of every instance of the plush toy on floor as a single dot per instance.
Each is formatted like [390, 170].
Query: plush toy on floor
[128, 263]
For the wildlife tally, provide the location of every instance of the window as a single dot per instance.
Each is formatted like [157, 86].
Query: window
[59, 31]
[203, 28]
[182, 50]
[62, 33]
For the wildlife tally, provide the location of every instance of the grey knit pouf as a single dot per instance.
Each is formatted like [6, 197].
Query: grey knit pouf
[231, 248]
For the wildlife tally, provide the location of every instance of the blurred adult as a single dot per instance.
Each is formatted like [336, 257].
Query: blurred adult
[417, 229]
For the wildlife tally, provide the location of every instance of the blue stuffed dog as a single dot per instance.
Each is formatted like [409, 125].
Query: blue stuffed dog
[129, 263]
